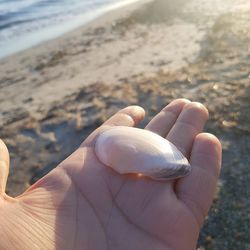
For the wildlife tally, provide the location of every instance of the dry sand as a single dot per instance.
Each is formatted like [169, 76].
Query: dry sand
[107, 50]
[52, 96]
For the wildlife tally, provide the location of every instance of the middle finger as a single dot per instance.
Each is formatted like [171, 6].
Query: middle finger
[188, 125]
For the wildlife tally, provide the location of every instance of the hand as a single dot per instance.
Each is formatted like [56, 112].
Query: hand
[83, 204]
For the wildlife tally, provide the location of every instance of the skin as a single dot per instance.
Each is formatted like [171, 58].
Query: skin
[83, 204]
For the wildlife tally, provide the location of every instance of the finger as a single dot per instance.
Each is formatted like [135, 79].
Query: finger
[197, 189]
[164, 121]
[189, 124]
[129, 116]
[4, 167]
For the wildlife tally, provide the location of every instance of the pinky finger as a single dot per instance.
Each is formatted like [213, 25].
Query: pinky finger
[197, 190]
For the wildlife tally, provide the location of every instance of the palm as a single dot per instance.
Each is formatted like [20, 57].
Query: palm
[83, 204]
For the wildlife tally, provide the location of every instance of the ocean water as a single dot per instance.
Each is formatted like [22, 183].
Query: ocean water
[25, 23]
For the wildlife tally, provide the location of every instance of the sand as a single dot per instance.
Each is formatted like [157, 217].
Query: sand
[49, 72]
[53, 95]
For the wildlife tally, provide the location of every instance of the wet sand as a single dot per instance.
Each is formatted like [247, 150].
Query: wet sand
[54, 95]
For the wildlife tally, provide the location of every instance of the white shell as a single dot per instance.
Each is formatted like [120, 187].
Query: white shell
[132, 150]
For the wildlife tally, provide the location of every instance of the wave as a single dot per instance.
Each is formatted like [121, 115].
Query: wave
[48, 21]
[16, 6]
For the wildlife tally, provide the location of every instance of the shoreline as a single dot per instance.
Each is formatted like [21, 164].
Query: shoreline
[57, 68]
[108, 13]
[31, 71]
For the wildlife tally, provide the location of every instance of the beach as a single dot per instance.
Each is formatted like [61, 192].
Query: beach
[148, 53]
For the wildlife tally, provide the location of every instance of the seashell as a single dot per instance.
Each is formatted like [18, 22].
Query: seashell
[132, 150]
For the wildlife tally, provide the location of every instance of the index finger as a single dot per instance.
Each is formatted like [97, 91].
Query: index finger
[129, 116]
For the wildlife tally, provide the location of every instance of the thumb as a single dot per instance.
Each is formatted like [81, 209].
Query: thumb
[4, 166]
